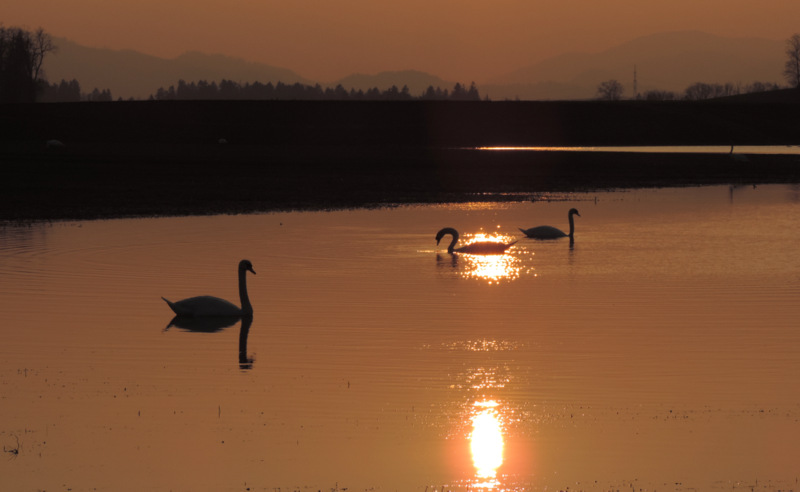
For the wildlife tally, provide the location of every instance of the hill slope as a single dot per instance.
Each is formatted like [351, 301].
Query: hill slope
[130, 74]
[666, 61]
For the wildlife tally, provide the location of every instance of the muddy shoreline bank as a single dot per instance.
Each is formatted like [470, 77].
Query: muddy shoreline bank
[152, 159]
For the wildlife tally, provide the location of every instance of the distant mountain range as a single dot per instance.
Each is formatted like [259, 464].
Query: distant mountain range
[132, 74]
[666, 61]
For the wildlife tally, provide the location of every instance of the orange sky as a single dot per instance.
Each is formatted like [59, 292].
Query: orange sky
[323, 40]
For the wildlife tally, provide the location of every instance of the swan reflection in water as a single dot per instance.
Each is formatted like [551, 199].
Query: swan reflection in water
[212, 324]
[210, 314]
[486, 443]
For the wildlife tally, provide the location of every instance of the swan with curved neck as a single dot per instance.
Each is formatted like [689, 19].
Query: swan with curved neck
[477, 248]
[214, 306]
[550, 232]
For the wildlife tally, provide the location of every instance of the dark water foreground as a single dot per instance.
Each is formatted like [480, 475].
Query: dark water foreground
[165, 158]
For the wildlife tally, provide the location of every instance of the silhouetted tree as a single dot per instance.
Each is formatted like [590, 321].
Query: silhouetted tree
[340, 93]
[472, 93]
[698, 91]
[792, 68]
[61, 92]
[610, 90]
[429, 94]
[229, 90]
[760, 87]
[21, 56]
[206, 90]
[391, 93]
[701, 91]
[97, 95]
[458, 92]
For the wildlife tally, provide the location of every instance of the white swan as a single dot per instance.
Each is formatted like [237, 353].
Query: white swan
[477, 248]
[214, 306]
[550, 232]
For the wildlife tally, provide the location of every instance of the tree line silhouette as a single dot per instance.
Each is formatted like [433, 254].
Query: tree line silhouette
[228, 89]
[71, 92]
[21, 56]
[613, 90]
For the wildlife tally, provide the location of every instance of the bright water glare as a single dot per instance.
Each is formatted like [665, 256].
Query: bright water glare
[658, 351]
[668, 149]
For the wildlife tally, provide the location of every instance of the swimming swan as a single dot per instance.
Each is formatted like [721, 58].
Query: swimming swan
[478, 248]
[549, 232]
[214, 306]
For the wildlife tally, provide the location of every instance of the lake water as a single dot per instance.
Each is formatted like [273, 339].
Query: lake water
[659, 351]
[668, 149]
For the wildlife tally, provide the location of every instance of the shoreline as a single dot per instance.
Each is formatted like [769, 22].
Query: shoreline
[77, 183]
[145, 159]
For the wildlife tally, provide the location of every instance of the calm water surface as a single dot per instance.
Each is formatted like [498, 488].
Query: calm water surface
[659, 352]
[669, 149]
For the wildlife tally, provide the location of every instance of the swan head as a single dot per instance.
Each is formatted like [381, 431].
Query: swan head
[245, 265]
[574, 211]
[444, 232]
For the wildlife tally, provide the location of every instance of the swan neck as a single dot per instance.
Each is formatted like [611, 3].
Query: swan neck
[571, 225]
[453, 242]
[247, 308]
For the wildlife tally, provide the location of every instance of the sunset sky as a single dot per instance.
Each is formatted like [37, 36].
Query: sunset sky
[458, 40]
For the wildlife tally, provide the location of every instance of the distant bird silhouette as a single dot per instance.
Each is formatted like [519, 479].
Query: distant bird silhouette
[476, 248]
[550, 232]
[214, 306]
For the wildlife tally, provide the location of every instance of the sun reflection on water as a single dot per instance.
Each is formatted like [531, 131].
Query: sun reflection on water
[486, 443]
[487, 378]
[492, 268]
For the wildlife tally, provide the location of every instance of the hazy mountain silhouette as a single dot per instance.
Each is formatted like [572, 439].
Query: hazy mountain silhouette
[666, 61]
[132, 74]
[416, 81]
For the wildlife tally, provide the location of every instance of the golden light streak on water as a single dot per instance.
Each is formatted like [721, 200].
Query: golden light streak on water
[663, 149]
[486, 443]
[492, 268]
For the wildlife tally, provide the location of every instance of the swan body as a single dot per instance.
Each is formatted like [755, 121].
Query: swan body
[478, 248]
[214, 306]
[205, 324]
[550, 232]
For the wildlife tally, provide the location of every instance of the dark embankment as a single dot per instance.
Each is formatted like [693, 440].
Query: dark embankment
[154, 158]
